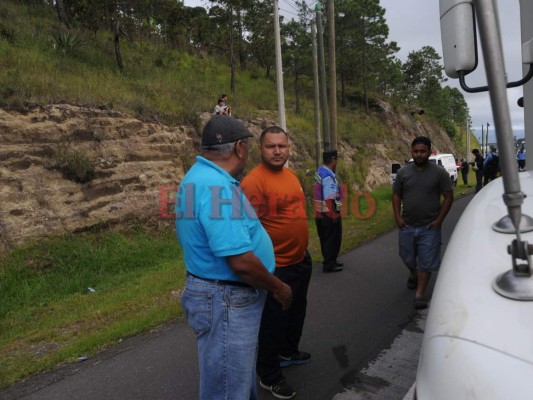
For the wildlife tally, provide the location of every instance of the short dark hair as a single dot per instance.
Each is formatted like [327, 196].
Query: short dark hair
[421, 140]
[271, 129]
[475, 151]
[329, 155]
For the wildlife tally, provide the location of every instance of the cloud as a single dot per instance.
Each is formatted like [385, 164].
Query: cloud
[416, 23]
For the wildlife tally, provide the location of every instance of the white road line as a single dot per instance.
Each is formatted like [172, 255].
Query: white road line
[391, 375]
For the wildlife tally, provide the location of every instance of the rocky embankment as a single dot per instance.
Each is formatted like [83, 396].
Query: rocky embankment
[130, 162]
[131, 159]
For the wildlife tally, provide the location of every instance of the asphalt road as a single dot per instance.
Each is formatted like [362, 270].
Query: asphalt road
[356, 319]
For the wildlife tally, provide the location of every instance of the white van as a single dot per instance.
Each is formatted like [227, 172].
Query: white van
[394, 170]
[447, 161]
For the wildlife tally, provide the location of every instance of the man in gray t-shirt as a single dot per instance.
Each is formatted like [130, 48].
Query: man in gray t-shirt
[419, 187]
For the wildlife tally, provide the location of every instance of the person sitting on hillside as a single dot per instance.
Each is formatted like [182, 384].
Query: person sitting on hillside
[225, 98]
[221, 108]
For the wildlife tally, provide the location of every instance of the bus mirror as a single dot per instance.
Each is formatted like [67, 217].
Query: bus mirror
[458, 35]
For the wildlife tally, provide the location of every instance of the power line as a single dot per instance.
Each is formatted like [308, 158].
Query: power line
[289, 12]
[292, 4]
[304, 3]
[301, 11]
[292, 13]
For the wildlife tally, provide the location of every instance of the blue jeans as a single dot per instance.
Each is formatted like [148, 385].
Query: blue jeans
[226, 321]
[420, 247]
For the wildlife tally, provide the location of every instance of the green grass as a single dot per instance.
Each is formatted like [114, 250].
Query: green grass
[158, 81]
[49, 315]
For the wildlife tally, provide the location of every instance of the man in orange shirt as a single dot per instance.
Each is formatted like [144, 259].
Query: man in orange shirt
[278, 198]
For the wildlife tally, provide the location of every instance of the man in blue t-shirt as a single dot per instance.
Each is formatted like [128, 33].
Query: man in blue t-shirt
[229, 259]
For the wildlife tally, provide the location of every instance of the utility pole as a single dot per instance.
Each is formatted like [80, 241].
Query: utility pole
[322, 78]
[317, 94]
[332, 74]
[279, 69]
[487, 140]
[483, 140]
[467, 141]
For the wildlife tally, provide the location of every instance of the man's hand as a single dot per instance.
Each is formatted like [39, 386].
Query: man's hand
[436, 224]
[397, 208]
[252, 271]
[284, 296]
[400, 222]
[446, 205]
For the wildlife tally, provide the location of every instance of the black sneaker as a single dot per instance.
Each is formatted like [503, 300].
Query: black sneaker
[280, 390]
[421, 303]
[295, 359]
[334, 268]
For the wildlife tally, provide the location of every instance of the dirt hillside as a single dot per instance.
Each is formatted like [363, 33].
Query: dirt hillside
[131, 162]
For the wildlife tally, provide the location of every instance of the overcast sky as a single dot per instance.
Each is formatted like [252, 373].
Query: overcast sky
[415, 23]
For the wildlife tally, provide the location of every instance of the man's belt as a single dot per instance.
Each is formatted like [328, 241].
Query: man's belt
[221, 281]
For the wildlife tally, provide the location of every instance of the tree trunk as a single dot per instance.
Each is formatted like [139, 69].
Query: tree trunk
[343, 90]
[108, 19]
[118, 55]
[60, 7]
[365, 83]
[242, 59]
[231, 51]
[297, 93]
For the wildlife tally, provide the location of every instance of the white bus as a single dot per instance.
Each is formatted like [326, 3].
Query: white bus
[478, 339]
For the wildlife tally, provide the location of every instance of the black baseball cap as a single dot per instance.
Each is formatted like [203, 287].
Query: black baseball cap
[222, 129]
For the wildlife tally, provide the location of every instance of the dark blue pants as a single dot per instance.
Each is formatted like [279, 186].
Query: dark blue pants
[479, 180]
[330, 234]
[280, 330]
[465, 177]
